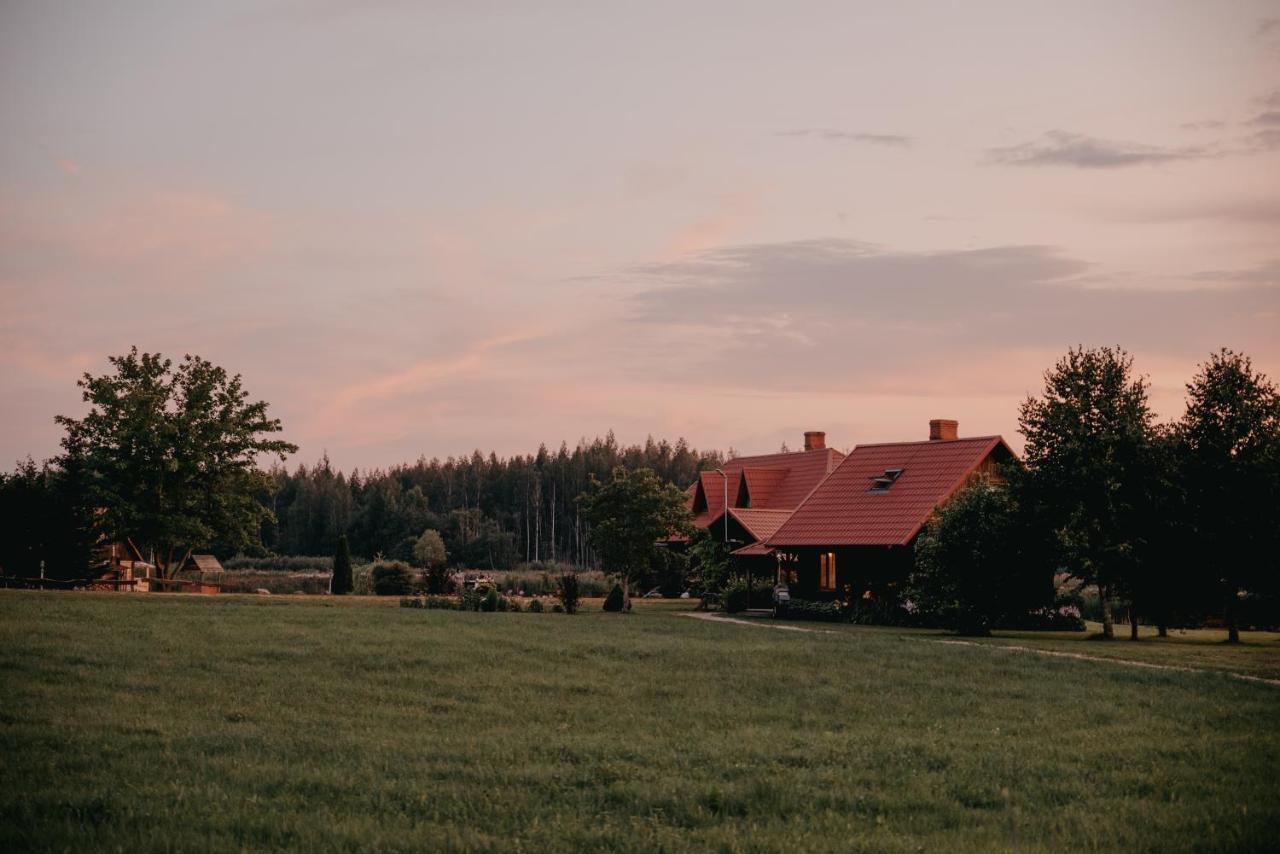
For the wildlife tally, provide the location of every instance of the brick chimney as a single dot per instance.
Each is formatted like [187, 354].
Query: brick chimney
[941, 428]
[814, 440]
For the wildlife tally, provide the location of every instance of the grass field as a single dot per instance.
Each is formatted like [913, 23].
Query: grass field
[169, 722]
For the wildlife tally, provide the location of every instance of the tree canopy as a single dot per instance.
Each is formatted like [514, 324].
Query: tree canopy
[627, 517]
[170, 455]
[1230, 436]
[1087, 453]
[970, 572]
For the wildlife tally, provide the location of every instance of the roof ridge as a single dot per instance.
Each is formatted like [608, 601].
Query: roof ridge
[939, 442]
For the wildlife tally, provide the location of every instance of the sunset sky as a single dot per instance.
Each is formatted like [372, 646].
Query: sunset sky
[421, 228]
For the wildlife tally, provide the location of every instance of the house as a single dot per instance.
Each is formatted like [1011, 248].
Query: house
[755, 495]
[119, 566]
[858, 527]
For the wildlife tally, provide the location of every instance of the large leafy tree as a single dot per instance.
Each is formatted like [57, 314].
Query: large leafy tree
[1087, 455]
[627, 516]
[969, 572]
[169, 455]
[1231, 457]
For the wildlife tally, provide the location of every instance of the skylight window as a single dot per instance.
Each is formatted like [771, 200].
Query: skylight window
[882, 482]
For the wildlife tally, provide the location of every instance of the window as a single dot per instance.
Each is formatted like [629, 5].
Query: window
[882, 482]
[827, 571]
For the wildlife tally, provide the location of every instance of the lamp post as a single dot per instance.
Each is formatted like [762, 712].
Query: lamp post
[726, 504]
[725, 476]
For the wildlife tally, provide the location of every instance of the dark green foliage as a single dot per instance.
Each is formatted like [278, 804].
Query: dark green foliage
[491, 601]
[569, 592]
[1229, 440]
[1088, 456]
[342, 580]
[803, 609]
[970, 573]
[285, 563]
[709, 561]
[535, 607]
[491, 512]
[170, 455]
[734, 594]
[392, 578]
[45, 520]
[627, 517]
[614, 601]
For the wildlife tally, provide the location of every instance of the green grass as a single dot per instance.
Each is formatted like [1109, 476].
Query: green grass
[1206, 649]
[169, 722]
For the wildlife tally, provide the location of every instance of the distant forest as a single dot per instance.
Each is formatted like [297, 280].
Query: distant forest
[492, 512]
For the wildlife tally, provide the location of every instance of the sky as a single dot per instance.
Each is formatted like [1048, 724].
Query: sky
[421, 228]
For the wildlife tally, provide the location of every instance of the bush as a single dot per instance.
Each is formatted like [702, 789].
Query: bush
[535, 607]
[734, 596]
[444, 603]
[569, 594]
[411, 602]
[249, 580]
[557, 608]
[491, 600]
[614, 601]
[804, 609]
[533, 580]
[391, 578]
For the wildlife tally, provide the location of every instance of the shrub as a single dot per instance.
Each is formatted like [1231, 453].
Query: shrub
[535, 607]
[341, 569]
[280, 563]
[804, 609]
[557, 608]
[391, 578]
[734, 596]
[491, 600]
[614, 600]
[513, 605]
[411, 602]
[569, 594]
[444, 603]
[249, 580]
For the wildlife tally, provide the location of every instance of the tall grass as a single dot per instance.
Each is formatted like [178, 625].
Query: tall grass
[277, 581]
[231, 723]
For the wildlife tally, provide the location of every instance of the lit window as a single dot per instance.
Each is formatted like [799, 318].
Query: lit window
[827, 571]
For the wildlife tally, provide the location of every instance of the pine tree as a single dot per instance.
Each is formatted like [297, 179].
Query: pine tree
[342, 582]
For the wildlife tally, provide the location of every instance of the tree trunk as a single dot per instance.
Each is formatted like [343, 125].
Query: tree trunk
[1229, 616]
[1133, 623]
[1108, 623]
[626, 594]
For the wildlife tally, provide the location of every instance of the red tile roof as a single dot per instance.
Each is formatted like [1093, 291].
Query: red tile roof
[773, 482]
[761, 524]
[844, 511]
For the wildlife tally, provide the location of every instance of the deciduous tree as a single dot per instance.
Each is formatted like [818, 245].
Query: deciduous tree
[627, 516]
[1088, 439]
[969, 572]
[1231, 448]
[170, 455]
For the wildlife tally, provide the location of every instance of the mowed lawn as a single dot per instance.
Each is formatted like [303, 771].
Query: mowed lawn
[168, 722]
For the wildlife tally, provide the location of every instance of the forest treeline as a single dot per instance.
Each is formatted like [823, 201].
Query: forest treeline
[492, 512]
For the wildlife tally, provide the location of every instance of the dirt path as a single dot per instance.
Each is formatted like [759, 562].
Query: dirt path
[1127, 662]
